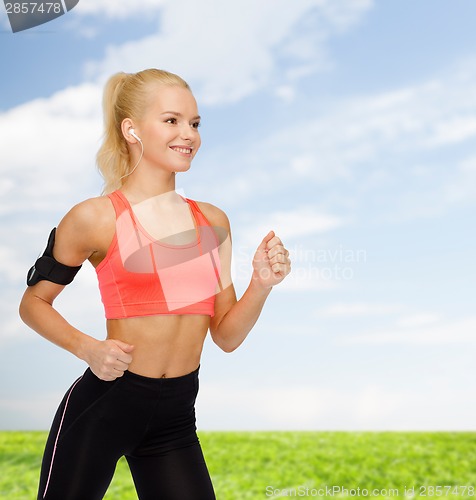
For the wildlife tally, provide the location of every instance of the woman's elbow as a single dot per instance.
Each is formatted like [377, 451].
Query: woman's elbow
[29, 306]
[227, 348]
[223, 344]
[24, 309]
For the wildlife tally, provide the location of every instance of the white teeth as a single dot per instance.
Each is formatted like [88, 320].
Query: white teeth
[183, 150]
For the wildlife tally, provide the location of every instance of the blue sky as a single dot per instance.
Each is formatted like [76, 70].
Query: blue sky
[347, 126]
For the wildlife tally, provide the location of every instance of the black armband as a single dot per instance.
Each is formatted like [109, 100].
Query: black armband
[48, 268]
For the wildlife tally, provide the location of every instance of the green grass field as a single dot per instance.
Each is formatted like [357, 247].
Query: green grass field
[261, 465]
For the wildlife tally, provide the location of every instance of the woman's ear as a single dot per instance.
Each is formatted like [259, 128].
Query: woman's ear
[126, 126]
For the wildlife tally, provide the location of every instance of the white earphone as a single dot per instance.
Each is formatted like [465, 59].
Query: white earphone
[133, 133]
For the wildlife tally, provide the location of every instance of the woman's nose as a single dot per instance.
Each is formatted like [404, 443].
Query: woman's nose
[186, 132]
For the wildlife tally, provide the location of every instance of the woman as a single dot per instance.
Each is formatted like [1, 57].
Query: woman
[163, 267]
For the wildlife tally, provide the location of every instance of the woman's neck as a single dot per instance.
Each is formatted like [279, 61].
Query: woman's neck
[140, 188]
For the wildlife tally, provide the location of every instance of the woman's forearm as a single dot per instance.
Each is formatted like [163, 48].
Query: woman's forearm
[41, 317]
[108, 359]
[270, 266]
[240, 319]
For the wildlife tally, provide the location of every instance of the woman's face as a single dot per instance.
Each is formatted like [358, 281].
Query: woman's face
[169, 129]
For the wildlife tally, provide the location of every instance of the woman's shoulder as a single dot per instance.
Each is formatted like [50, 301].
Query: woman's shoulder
[83, 230]
[90, 215]
[216, 216]
[91, 210]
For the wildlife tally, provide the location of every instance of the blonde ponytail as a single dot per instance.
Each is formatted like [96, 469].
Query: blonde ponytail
[126, 96]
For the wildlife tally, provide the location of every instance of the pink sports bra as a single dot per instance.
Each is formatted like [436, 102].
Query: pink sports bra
[141, 276]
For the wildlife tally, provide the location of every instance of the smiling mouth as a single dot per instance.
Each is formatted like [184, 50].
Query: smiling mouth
[183, 150]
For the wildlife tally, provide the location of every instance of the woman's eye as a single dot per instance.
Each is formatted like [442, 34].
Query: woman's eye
[171, 120]
[196, 124]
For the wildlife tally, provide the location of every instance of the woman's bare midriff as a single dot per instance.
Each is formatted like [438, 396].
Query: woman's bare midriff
[164, 345]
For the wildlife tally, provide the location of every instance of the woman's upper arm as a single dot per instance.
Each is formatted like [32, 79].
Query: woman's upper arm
[77, 234]
[74, 243]
[225, 297]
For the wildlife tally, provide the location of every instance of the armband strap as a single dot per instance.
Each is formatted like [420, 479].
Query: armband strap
[48, 268]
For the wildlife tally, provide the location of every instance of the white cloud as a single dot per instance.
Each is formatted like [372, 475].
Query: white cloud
[4, 22]
[62, 134]
[361, 132]
[286, 92]
[13, 330]
[388, 150]
[418, 320]
[306, 407]
[118, 9]
[344, 14]
[461, 187]
[11, 265]
[367, 148]
[420, 333]
[34, 412]
[309, 279]
[455, 129]
[56, 129]
[290, 224]
[358, 309]
[228, 50]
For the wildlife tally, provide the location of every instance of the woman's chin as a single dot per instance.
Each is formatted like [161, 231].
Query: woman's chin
[181, 168]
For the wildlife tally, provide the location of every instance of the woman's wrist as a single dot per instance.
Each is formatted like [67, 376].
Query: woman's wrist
[258, 287]
[83, 347]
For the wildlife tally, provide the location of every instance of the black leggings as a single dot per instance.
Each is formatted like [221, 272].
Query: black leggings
[149, 421]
